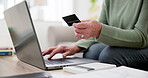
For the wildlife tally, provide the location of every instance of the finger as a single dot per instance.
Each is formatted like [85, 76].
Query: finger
[68, 53]
[79, 36]
[48, 51]
[57, 50]
[79, 31]
[86, 37]
[85, 20]
[81, 25]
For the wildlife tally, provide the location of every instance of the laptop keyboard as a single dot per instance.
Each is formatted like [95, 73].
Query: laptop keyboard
[57, 61]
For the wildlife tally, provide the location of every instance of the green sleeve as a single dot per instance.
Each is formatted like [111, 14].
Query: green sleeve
[85, 43]
[134, 38]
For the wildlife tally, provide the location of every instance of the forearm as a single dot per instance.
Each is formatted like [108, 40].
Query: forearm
[122, 38]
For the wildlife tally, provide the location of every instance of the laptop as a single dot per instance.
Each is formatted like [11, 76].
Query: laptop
[26, 42]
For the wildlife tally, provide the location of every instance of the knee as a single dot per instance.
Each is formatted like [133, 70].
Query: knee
[94, 51]
[91, 53]
[109, 56]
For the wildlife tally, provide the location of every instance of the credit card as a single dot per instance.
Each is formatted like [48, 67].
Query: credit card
[70, 19]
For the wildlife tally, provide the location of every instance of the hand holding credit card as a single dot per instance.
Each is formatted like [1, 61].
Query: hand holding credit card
[70, 19]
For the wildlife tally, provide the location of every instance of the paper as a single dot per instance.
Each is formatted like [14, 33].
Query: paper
[88, 67]
[119, 72]
[98, 66]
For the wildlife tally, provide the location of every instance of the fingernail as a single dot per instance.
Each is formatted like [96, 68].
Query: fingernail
[43, 54]
[64, 56]
[49, 58]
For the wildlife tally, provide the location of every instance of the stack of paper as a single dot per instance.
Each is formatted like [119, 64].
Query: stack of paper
[88, 67]
[118, 72]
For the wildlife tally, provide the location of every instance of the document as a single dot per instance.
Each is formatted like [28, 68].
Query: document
[88, 67]
[119, 72]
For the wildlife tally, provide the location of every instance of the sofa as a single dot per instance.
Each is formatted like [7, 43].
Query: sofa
[60, 35]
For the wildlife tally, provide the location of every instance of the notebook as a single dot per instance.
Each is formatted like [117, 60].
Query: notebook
[26, 42]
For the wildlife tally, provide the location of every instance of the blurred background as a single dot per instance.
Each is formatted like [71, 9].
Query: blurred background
[47, 14]
[53, 10]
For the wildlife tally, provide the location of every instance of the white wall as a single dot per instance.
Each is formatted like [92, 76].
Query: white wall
[82, 7]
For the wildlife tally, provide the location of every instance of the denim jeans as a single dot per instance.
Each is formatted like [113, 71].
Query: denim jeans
[120, 56]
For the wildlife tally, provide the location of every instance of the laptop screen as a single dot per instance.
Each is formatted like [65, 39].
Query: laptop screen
[23, 36]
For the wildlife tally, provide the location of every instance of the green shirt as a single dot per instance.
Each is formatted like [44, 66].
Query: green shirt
[124, 24]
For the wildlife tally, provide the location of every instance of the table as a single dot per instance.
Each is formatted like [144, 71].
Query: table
[11, 65]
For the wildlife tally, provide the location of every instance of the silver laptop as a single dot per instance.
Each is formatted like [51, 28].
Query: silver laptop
[26, 42]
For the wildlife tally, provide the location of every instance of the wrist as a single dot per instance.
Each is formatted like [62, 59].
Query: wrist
[98, 30]
[79, 49]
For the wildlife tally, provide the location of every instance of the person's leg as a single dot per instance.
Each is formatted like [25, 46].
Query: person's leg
[136, 58]
[94, 51]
